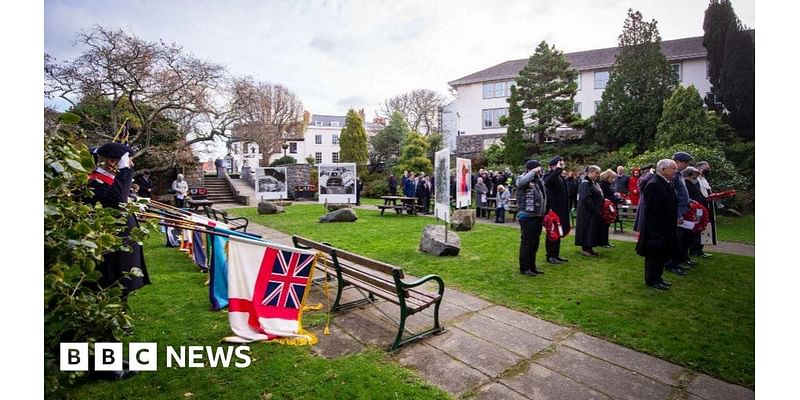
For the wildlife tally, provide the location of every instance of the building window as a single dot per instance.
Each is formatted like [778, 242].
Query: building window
[293, 147]
[500, 89]
[335, 139]
[576, 108]
[677, 69]
[334, 123]
[317, 123]
[318, 158]
[600, 79]
[596, 106]
[578, 81]
[491, 118]
[317, 139]
[487, 90]
[335, 156]
[509, 84]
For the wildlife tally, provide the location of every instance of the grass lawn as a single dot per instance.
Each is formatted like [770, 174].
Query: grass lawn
[174, 311]
[706, 323]
[737, 229]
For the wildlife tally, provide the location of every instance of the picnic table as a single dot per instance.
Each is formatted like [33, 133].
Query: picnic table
[492, 207]
[195, 205]
[407, 203]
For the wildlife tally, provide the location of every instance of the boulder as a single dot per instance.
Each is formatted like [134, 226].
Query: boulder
[342, 215]
[337, 206]
[266, 207]
[432, 241]
[462, 220]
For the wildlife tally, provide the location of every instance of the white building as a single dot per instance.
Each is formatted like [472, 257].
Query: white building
[321, 139]
[481, 96]
[243, 154]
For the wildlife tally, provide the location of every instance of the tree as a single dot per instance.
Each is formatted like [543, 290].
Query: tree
[413, 156]
[156, 80]
[420, 108]
[266, 114]
[684, 120]
[353, 141]
[387, 143]
[546, 87]
[641, 80]
[514, 143]
[731, 66]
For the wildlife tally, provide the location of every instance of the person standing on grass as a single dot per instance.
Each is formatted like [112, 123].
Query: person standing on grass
[532, 204]
[705, 189]
[680, 261]
[392, 185]
[503, 200]
[633, 186]
[621, 181]
[607, 179]
[658, 232]
[590, 202]
[481, 198]
[558, 201]
[423, 194]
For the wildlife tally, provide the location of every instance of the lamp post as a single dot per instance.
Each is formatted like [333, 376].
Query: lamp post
[285, 146]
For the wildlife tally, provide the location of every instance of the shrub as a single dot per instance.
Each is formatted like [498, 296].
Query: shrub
[377, 185]
[76, 235]
[283, 161]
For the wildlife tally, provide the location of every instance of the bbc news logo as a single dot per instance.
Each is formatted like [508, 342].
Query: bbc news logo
[144, 356]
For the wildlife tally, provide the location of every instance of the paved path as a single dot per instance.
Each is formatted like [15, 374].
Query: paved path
[493, 352]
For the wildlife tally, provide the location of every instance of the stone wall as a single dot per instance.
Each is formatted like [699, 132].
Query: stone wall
[296, 175]
[470, 145]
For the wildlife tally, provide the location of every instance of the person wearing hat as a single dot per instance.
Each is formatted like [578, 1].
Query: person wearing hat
[675, 265]
[145, 185]
[558, 201]
[111, 183]
[181, 188]
[532, 205]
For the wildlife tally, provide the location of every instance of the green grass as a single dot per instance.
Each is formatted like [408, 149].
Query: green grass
[737, 229]
[174, 311]
[706, 323]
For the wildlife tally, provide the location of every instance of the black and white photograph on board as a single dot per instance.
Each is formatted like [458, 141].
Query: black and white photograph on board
[337, 183]
[271, 183]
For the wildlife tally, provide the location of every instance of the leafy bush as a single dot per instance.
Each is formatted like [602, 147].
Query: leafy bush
[494, 156]
[743, 156]
[724, 175]
[377, 185]
[283, 161]
[76, 236]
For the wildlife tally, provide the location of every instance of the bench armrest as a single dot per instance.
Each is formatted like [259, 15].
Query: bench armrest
[420, 281]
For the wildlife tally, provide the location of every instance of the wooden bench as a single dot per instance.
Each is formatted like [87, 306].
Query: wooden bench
[397, 209]
[222, 216]
[625, 212]
[378, 279]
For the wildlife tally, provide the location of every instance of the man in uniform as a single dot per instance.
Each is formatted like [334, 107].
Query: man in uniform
[532, 205]
[558, 201]
[111, 182]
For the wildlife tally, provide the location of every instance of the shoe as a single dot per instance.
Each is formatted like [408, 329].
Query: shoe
[691, 263]
[666, 282]
[587, 253]
[528, 273]
[594, 253]
[553, 260]
[563, 260]
[705, 255]
[538, 272]
[659, 286]
[678, 271]
[608, 246]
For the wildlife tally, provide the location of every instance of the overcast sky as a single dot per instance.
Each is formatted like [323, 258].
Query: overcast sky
[340, 54]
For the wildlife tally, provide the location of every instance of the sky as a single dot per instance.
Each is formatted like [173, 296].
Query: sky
[340, 54]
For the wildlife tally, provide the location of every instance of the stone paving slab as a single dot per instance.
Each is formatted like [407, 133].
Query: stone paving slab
[498, 391]
[365, 328]
[477, 353]
[540, 383]
[337, 344]
[604, 377]
[440, 369]
[650, 366]
[471, 303]
[712, 389]
[503, 335]
[539, 327]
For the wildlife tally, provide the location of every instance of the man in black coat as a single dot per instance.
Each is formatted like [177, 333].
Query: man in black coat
[558, 201]
[145, 185]
[393, 185]
[657, 228]
[111, 182]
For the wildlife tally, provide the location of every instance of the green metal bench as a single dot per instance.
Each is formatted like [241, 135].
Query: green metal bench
[372, 279]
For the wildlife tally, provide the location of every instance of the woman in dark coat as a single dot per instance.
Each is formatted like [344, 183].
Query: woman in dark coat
[590, 202]
[606, 183]
[111, 183]
[558, 201]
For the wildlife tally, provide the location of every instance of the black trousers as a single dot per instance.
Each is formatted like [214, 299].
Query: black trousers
[653, 269]
[553, 247]
[179, 202]
[531, 231]
[500, 215]
[685, 239]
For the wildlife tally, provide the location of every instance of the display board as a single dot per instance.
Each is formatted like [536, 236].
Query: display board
[463, 182]
[441, 173]
[337, 183]
[270, 183]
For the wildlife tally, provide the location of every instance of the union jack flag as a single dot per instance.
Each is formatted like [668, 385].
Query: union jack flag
[288, 280]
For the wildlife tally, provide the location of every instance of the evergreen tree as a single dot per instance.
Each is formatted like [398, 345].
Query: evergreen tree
[684, 120]
[353, 141]
[514, 142]
[413, 156]
[731, 66]
[386, 145]
[641, 79]
[546, 87]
